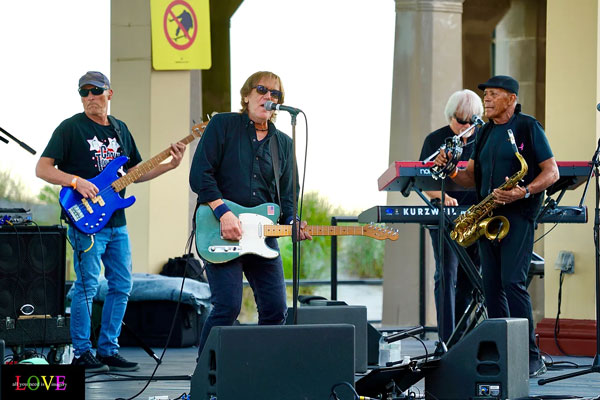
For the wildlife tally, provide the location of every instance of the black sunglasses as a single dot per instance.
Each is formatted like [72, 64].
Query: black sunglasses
[461, 121]
[96, 91]
[260, 89]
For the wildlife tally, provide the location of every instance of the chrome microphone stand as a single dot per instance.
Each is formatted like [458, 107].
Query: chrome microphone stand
[594, 170]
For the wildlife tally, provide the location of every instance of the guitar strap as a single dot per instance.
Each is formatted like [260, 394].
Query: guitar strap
[274, 149]
[117, 129]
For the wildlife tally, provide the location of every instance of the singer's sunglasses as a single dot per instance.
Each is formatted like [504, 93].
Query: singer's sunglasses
[260, 89]
[96, 91]
[461, 121]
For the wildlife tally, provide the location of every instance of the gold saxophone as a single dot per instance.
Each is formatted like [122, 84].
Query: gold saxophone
[478, 220]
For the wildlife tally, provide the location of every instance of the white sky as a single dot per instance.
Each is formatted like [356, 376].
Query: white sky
[334, 57]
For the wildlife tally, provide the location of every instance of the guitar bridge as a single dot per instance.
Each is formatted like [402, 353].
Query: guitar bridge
[224, 249]
[75, 213]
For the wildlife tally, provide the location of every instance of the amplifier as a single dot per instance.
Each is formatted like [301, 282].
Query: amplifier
[15, 216]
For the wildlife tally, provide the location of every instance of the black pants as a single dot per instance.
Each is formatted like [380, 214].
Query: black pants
[457, 288]
[504, 270]
[266, 280]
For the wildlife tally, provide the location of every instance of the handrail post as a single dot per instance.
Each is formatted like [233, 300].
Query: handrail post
[334, 266]
[334, 258]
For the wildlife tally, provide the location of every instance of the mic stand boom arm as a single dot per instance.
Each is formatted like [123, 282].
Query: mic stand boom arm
[23, 145]
[455, 139]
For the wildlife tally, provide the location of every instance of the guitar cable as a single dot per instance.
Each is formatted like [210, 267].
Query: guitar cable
[79, 254]
[187, 250]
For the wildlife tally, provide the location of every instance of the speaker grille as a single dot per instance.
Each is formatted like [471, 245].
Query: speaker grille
[488, 351]
[32, 270]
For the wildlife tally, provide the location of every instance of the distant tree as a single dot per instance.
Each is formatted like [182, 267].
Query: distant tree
[12, 188]
[357, 256]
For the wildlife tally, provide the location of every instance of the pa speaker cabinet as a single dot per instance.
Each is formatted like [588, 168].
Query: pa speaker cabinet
[339, 314]
[300, 362]
[492, 361]
[32, 270]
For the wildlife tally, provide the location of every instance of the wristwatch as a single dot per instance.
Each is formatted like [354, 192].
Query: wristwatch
[527, 193]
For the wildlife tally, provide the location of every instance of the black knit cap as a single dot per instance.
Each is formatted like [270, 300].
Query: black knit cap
[503, 82]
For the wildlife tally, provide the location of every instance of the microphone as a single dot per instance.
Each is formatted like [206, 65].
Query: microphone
[270, 106]
[475, 120]
[598, 106]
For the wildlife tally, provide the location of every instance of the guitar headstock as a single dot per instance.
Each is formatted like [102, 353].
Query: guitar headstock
[198, 129]
[380, 232]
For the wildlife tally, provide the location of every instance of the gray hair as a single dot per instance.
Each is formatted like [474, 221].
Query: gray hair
[463, 102]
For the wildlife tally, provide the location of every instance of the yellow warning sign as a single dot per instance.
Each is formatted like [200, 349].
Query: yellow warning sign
[180, 34]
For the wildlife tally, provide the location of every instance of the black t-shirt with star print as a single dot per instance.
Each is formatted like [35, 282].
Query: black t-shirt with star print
[81, 147]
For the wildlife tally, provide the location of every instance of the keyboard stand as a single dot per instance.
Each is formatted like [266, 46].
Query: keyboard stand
[476, 309]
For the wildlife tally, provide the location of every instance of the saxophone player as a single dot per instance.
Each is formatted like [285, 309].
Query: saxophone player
[505, 263]
[451, 302]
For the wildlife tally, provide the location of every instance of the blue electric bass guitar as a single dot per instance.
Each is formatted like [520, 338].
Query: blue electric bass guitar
[91, 215]
[259, 223]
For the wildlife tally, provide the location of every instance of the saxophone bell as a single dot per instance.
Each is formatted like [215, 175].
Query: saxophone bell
[495, 228]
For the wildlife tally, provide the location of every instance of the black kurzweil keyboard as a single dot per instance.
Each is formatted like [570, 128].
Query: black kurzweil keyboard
[425, 215]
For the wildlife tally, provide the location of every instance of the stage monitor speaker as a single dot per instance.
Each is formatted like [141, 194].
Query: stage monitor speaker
[491, 361]
[338, 314]
[32, 270]
[296, 362]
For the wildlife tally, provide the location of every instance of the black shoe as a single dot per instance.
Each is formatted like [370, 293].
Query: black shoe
[117, 363]
[90, 363]
[537, 368]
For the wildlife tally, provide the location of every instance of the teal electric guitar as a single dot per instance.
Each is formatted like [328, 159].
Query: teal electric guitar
[259, 223]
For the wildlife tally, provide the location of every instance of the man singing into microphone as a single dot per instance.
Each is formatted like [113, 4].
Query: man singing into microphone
[505, 264]
[234, 161]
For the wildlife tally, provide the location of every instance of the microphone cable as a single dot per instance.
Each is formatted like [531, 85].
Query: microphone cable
[301, 201]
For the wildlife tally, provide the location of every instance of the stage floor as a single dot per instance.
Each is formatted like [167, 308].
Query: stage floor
[172, 377]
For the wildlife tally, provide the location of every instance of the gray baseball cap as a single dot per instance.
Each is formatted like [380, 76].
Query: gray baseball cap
[94, 78]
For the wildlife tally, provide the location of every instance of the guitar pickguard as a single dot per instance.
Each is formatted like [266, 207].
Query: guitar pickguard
[213, 248]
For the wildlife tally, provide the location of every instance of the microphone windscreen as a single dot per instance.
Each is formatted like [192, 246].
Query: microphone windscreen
[269, 105]
[475, 120]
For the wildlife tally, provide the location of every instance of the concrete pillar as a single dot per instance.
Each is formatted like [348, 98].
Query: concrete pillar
[520, 52]
[155, 105]
[216, 91]
[427, 69]
[479, 21]
[572, 92]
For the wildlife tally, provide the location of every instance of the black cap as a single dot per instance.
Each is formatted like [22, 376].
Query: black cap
[503, 82]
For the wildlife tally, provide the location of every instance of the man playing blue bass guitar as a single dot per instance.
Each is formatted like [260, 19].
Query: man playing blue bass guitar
[81, 148]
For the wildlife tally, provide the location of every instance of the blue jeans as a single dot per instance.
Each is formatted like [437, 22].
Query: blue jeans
[112, 248]
[266, 280]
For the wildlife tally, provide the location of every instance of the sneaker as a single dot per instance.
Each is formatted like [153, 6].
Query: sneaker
[117, 363]
[90, 363]
[537, 368]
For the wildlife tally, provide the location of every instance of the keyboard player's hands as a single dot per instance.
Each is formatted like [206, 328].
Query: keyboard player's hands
[450, 201]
